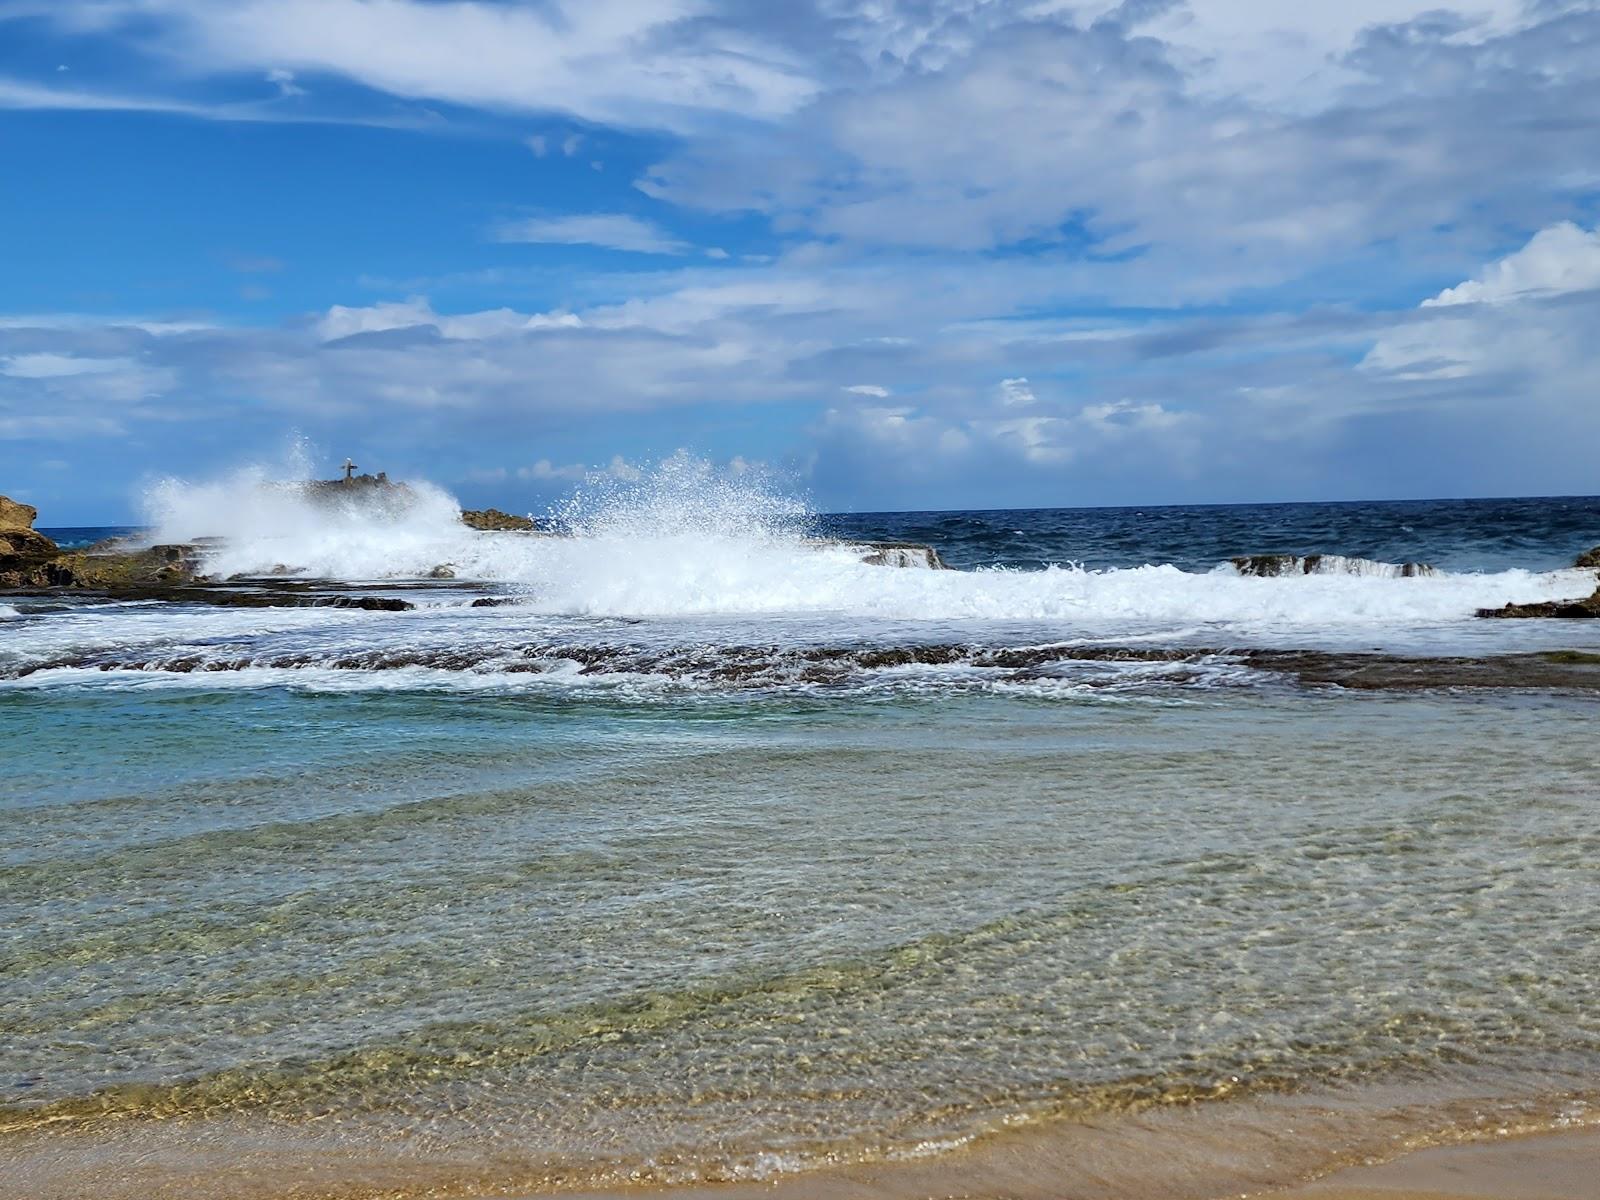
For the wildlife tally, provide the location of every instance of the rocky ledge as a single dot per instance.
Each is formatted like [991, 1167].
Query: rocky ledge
[1586, 607]
[30, 563]
[1272, 566]
[18, 537]
[492, 520]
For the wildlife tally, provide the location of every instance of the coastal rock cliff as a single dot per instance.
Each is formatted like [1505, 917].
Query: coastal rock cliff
[18, 537]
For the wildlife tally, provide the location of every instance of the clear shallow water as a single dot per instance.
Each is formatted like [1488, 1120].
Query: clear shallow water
[560, 892]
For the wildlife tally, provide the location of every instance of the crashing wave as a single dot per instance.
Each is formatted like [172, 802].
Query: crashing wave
[1271, 566]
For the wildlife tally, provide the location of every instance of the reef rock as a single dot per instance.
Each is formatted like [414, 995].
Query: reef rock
[903, 554]
[1571, 609]
[117, 570]
[1270, 566]
[492, 520]
[1588, 560]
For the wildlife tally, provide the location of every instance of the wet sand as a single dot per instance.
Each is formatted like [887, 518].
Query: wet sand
[1562, 1166]
[1084, 1162]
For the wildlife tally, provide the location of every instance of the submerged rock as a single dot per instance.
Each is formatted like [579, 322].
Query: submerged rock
[1271, 566]
[370, 603]
[903, 554]
[492, 520]
[1588, 607]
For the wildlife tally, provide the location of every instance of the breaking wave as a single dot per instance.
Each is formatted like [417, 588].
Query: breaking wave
[689, 540]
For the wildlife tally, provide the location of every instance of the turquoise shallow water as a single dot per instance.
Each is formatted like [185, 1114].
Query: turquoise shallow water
[769, 928]
[522, 897]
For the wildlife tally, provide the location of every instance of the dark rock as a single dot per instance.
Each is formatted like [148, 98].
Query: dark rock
[25, 541]
[1589, 559]
[1587, 607]
[903, 554]
[370, 603]
[1272, 566]
[492, 601]
[1570, 609]
[492, 520]
[443, 571]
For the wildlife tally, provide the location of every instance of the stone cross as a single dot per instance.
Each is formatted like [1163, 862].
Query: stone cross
[349, 470]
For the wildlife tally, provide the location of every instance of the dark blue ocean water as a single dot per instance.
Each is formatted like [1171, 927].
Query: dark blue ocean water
[1459, 535]
[1534, 533]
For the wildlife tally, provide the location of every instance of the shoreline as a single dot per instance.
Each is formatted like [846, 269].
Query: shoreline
[1563, 1165]
[1398, 1141]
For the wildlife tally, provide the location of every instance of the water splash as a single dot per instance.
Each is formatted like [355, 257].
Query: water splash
[687, 538]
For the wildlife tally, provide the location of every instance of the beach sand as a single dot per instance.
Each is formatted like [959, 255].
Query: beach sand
[1558, 1166]
[1562, 1166]
[1073, 1166]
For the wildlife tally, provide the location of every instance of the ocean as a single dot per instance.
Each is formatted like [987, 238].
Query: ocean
[707, 852]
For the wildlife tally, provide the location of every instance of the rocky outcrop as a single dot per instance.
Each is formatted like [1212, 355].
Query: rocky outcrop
[1570, 609]
[365, 486]
[492, 520]
[18, 537]
[1271, 566]
[25, 553]
[1586, 608]
[16, 515]
[903, 554]
[114, 570]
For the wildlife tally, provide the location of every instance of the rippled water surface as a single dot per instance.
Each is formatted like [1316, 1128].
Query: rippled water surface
[735, 857]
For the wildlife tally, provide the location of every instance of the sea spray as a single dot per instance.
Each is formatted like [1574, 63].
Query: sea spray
[255, 522]
[686, 538]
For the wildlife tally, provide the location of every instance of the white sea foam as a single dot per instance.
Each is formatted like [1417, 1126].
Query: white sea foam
[688, 541]
[7, 611]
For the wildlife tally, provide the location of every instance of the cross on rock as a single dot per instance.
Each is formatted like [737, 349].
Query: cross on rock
[349, 470]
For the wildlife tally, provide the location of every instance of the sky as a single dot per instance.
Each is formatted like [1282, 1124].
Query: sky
[895, 254]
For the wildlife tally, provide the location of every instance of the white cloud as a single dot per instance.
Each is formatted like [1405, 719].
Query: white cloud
[58, 366]
[544, 471]
[622, 61]
[1016, 393]
[868, 389]
[614, 231]
[1562, 258]
[416, 313]
[284, 82]
[20, 94]
[538, 144]
[1511, 330]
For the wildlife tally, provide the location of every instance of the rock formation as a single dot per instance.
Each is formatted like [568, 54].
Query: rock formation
[1271, 566]
[903, 554]
[1578, 609]
[1587, 607]
[17, 534]
[492, 520]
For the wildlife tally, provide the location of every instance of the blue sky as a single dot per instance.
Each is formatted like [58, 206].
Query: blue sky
[938, 253]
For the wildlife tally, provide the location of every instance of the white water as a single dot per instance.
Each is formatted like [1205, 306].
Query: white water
[686, 541]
